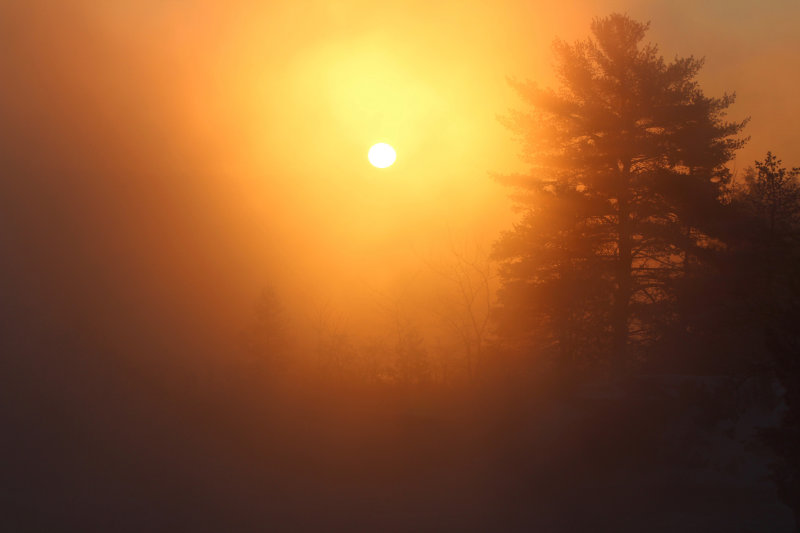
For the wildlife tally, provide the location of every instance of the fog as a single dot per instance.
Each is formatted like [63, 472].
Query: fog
[164, 163]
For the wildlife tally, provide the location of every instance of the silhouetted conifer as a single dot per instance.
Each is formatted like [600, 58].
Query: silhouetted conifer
[768, 253]
[627, 168]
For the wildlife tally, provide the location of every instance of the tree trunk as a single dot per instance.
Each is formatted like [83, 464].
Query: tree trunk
[622, 294]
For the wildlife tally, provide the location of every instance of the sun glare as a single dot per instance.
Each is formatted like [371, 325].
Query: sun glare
[381, 155]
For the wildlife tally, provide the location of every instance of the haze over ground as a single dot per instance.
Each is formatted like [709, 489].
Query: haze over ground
[163, 162]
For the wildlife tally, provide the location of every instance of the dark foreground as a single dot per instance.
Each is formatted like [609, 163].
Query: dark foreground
[128, 454]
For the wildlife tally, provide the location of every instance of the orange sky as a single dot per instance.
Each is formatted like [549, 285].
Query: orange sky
[191, 152]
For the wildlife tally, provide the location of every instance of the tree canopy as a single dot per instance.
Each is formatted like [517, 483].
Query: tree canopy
[627, 168]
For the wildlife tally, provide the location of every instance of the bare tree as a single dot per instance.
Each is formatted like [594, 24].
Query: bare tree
[335, 351]
[466, 306]
[266, 341]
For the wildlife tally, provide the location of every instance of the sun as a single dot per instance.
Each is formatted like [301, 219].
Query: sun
[381, 155]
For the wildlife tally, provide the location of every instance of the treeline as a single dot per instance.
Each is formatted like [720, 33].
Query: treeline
[436, 331]
[638, 250]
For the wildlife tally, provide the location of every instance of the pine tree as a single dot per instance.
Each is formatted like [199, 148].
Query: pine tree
[767, 255]
[627, 168]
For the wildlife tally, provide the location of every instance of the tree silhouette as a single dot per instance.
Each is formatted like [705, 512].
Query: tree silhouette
[772, 195]
[266, 340]
[627, 167]
[465, 304]
[412, 365]
[768, 253]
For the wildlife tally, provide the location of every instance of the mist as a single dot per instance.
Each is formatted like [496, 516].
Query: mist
[180, 181]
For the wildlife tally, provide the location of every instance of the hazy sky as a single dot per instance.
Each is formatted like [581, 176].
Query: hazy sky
[183, 154]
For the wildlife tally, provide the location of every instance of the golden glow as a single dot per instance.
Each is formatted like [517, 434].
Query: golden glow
[259, 114]
[382, 155]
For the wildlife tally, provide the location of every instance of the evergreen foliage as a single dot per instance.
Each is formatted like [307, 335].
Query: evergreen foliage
[627, 172]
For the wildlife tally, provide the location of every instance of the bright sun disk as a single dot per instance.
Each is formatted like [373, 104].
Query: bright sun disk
[381, 155]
